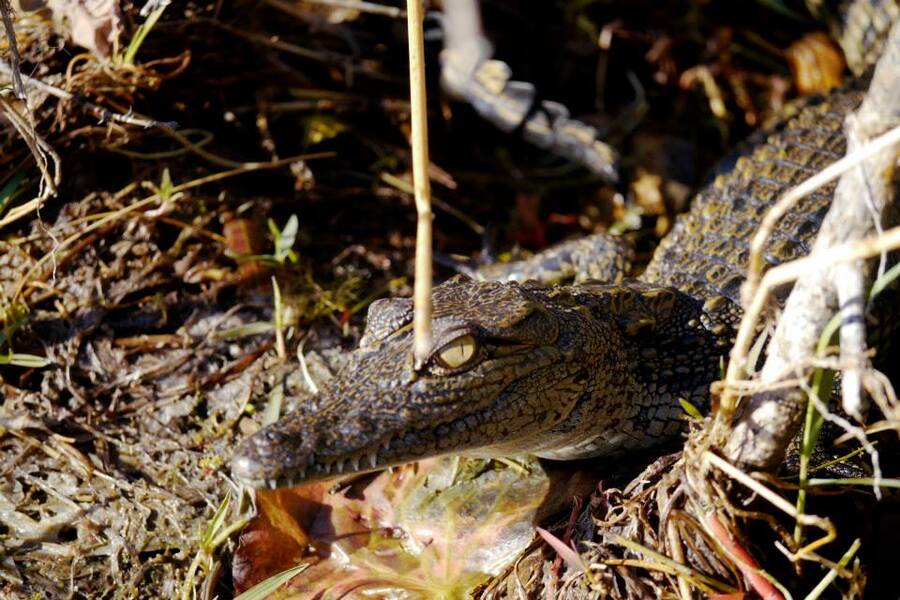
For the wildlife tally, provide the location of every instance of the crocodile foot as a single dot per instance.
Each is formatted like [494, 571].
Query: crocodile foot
[469, 73]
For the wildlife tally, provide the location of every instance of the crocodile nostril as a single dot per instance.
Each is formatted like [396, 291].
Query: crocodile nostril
[270, 441]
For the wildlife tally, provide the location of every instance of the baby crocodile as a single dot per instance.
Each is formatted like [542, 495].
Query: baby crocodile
[563, 372]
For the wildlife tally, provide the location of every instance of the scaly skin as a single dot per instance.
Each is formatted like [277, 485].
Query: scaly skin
[859, 26]
[564, 372]
[532, 384]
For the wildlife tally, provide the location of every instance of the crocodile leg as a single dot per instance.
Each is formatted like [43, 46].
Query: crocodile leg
[469, 73]
[859, 26]
[600, 257]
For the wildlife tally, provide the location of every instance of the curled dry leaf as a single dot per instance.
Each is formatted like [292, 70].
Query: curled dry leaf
[92, 24]
[816, 63]
[276, 539]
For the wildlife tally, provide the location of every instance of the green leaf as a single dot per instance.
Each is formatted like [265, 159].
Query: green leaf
[882, 282]
[30, 361]
[217, 521]
[141, 34]
[285, 240]
[278, 305]
[273, 406]
[13, 318]
[866, 481]
[9, 190]
[267, 587]
[690, 409]
[166, 187]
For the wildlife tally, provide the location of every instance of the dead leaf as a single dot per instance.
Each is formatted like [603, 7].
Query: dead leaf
[262, 551]
[647, 191]
[816, 63]
[92, 24]
[276, 539]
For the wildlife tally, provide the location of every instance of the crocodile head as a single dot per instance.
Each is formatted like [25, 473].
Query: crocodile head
[505, 369]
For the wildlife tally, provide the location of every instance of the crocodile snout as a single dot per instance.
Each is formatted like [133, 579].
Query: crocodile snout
[266, 459]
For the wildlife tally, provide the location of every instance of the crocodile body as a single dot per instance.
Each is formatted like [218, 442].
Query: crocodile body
[570, 371]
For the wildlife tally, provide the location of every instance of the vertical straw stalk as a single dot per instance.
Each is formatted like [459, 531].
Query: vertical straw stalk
[421, 185]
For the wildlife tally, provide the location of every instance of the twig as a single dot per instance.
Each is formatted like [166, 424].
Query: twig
[833, 573]
[367, 7]
[421, 183]
[16, 74]
[44, 157]
[777, 501]
[674, 541]
[664, 562]
[785, 203]
[104, 114]
[403, 186]
[787, 272]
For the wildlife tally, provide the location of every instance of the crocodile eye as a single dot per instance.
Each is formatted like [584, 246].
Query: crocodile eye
[458, 352]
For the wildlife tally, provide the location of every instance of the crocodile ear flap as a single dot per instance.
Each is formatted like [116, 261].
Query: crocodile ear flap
[641, 310]
[535, 325]
[633, 324]
[385, 317]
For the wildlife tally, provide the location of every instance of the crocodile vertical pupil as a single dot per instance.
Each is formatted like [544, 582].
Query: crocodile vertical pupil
[458, 352]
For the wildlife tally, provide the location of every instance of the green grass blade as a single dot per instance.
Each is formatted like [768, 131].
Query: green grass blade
[885, 280]
[265, 588]
[866, 481]
[216, 523]
[18, 359]
[141, 34]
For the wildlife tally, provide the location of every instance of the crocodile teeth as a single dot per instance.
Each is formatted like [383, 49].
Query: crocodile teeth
[386, 445]
[325, 468]
[373, 459]
[354, 463]
[272, 483]
[301, 474]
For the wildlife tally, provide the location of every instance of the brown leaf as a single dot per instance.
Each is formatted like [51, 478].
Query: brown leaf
[276, 539]
[292, 510]
[816, 63]
[262, 552]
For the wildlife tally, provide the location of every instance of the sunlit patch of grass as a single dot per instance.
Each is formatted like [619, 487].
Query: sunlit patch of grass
[216, 533]
[13, 318]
